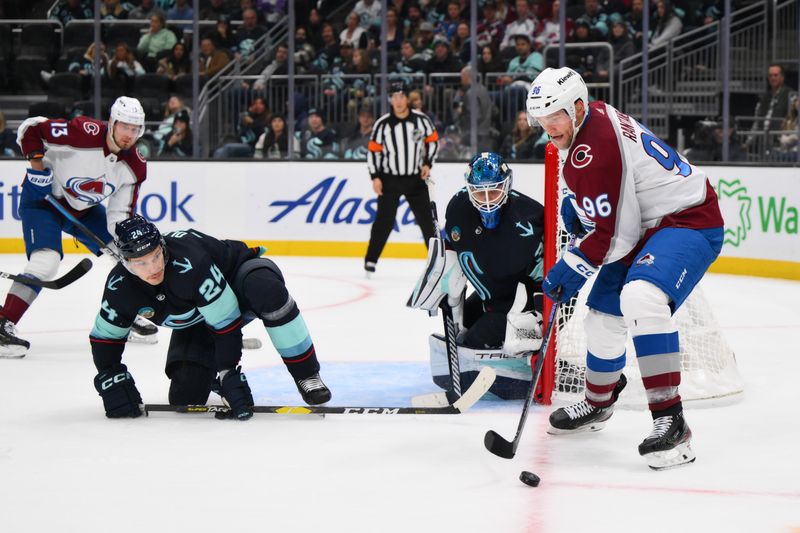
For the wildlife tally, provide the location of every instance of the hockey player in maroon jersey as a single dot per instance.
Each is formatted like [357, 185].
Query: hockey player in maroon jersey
[653, 227]
[80, 162]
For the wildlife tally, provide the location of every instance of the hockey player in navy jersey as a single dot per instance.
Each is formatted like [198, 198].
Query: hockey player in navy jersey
[80, 162]
[654, 227]
[205, 289]
[493, 238]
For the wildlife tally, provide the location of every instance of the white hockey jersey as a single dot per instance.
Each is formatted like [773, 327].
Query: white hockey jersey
[628, 183]
[85, 170]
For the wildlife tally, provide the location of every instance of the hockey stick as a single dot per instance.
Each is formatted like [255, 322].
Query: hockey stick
[482, 383]
[86, 231]
[74, 274]
[454, 392]
[492, 440]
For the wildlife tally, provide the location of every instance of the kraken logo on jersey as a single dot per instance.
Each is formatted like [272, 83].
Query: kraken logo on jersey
[89, 190]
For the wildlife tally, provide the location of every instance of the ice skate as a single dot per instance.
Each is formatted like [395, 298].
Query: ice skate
[583, 416]
[143, 332]
[668, 444]
[369, 268]
[11, 346]
[313, 390]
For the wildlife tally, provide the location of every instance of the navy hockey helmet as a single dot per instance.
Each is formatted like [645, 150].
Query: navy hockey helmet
[398, 86]
[137, 237]
[488, 184]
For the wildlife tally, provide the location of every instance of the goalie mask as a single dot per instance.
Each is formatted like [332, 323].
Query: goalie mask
[488, 185]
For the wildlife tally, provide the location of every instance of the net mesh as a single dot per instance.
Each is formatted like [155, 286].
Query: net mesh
[708, 365]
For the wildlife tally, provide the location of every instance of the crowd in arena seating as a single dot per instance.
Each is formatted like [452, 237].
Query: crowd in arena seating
[427, 42]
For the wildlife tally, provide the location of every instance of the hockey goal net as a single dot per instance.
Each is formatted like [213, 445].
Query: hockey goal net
[708, 365]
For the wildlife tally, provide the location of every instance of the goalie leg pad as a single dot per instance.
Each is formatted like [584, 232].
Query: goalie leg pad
[441, 278]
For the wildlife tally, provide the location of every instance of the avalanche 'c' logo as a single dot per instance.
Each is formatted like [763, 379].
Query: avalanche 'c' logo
[91, 128]
[89, 190]
[580, 156]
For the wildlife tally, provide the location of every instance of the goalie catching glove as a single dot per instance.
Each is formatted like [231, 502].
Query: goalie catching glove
[442, 277]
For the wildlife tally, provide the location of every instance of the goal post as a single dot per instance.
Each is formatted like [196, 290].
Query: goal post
[709, 374]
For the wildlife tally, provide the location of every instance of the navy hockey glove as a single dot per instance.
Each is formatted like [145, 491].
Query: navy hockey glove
[236, 394]
[118, 390]
[570, 217]
[567, 277]
[38, 182]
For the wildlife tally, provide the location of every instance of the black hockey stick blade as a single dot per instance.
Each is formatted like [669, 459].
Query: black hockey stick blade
[499, 446]
[73, 275]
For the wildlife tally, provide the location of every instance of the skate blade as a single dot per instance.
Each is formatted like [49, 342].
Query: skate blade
[680, 455]
[13, 352]
[142, 339]
[597, 426]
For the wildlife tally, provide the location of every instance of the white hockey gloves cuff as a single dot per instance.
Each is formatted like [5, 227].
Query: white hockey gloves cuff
[523, 329]
[442, 277]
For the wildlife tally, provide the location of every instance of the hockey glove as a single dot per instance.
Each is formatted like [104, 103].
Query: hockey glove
[523, 328]
[39, 183]
[236, 394]
[567, 276]
[442, 277]
[118, 390]
[569, 216]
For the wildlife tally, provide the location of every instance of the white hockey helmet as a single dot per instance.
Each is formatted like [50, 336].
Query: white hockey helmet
[128, 110]
[555, 89]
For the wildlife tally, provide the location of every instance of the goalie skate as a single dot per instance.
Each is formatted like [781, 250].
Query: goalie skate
[668, 444]
[583, 416]
[143, 332]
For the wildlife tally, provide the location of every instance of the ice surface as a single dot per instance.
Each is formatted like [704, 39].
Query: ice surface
[64, 467]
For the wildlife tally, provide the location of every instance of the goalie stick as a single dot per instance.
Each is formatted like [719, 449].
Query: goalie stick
[75, 273]
[482, 383]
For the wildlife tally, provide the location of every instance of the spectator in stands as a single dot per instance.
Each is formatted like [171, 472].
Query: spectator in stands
[416, 101]
[369, 13]
[274, 142]
[315, 23]
[788, 140]
[591, 62]
[84, 65]
[707, 143]
[8, 140]
[252, 124]
[272, 10]
[115, 10]
[394, 33]
[451, 145]
[462, 111]
[488, 62]
[522, 141]
[211, 60]
[176, 64]
[214, 10]
[278, 67]
[520, 72]
[355, 144]
[158, 38]
[668, 25]
[773, 105]
[447, 26]
[317, 141]
[410, 61]
[460, 43]
[123, 67]
[164, 130]
[353, 33]
[424, 40]
[620, 41]
[550, 31]
[145, 10]
[244, 5]
[248, 33]
[504, 13]
[326, 56]
[223, 34]
[596, 18]
[303, 51]
[634, 21]
[412, 22]
[179, 142]
[68, 10]
[490, 29]
[525, 23]
[442, 61]
[181, 11]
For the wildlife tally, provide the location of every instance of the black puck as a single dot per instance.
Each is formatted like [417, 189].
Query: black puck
[529, 478]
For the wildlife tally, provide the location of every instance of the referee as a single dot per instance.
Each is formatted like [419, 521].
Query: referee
[402, 149]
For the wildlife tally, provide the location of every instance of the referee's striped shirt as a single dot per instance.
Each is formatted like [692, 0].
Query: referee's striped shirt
[400, 147]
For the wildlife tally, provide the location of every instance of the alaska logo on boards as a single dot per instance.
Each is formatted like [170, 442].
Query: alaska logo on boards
[324, 204]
